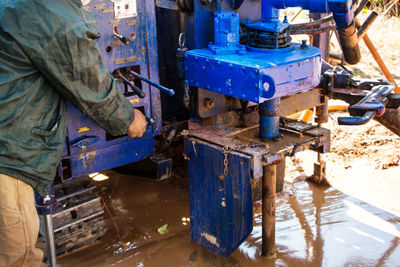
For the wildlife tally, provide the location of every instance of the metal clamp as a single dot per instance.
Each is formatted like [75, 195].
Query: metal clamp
[370, 106]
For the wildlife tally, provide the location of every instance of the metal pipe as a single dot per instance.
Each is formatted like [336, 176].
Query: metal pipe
[269, 119]
[268, 211]
[170, 137]
[313, 31]
[391, 120]
[217, 5]
[162, 88]
[312, 23]
[367, 24]
[50, 241]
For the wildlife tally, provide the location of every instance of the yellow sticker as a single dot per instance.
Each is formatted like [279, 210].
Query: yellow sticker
[134, 101]
[83, 129]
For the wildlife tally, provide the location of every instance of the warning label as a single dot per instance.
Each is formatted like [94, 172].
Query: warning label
[125, 9]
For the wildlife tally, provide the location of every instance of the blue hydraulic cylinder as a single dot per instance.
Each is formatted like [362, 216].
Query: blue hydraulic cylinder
[269, 119]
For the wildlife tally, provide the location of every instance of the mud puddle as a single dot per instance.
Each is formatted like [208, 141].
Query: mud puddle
[315, 226]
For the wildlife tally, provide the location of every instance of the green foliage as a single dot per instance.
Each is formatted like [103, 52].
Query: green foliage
[383, 5]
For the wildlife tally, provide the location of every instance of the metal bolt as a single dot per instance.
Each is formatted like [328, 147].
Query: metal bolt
[285, 20]
[304, 44]
[209, 103]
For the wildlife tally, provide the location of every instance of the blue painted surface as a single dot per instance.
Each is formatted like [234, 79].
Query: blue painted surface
[88, 147]
[269, 118]
[221, 213]
[47, 204]
[255, 75]
[94, 159]
[342, 9]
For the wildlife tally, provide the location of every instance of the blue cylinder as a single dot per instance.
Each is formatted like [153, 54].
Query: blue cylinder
[269, 118]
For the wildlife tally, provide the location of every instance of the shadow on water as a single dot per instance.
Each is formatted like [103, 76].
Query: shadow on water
[315, 226]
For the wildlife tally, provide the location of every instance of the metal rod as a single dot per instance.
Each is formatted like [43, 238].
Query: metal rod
[268, 211]
[50, 241]
[367, 24]
[378, 58]
[139, 92]
[312, 31]
[162, 88]
[308, 25]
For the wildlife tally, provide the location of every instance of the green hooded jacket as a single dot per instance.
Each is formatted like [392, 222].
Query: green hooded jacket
[48, 56]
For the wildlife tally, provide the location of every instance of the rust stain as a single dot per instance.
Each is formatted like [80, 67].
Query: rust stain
[107, 10]
[210, 238]
[116, 43]
[100, 6]
[87, 160]
[115, 22]
[131, 22]
[125, 60]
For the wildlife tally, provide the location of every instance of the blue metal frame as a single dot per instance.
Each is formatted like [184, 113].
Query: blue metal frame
[221, 206]
[255, 76]
[88, 147]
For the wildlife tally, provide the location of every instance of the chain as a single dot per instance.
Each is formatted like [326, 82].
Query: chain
[186, 98]
[225, 150]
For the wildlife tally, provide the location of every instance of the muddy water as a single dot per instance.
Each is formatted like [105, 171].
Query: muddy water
[314, 227]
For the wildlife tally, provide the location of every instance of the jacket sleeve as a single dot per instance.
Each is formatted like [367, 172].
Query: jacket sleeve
[71, 62]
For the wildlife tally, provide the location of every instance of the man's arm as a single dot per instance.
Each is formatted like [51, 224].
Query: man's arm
[71, 62]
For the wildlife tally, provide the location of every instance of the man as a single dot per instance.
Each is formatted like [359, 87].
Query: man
[48, 56]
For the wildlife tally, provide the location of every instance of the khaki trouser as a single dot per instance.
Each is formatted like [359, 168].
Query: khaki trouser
[19, 224]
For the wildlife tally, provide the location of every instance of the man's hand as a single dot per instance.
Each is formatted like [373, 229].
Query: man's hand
[138, 126]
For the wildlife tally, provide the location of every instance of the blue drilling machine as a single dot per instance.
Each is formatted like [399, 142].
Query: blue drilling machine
[237, 75]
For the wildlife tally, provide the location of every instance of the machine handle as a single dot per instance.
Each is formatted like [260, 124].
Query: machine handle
[370, 106]
[171, 92]
[139, 92]
[357, 120]
[123, 39]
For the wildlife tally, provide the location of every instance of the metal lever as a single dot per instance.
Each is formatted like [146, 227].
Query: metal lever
[370, 106]
[135, 89]
[123, 39]
[171, 92]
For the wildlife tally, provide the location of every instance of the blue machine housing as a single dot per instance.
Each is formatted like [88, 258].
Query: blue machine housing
[255, 76]
[88, 147]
